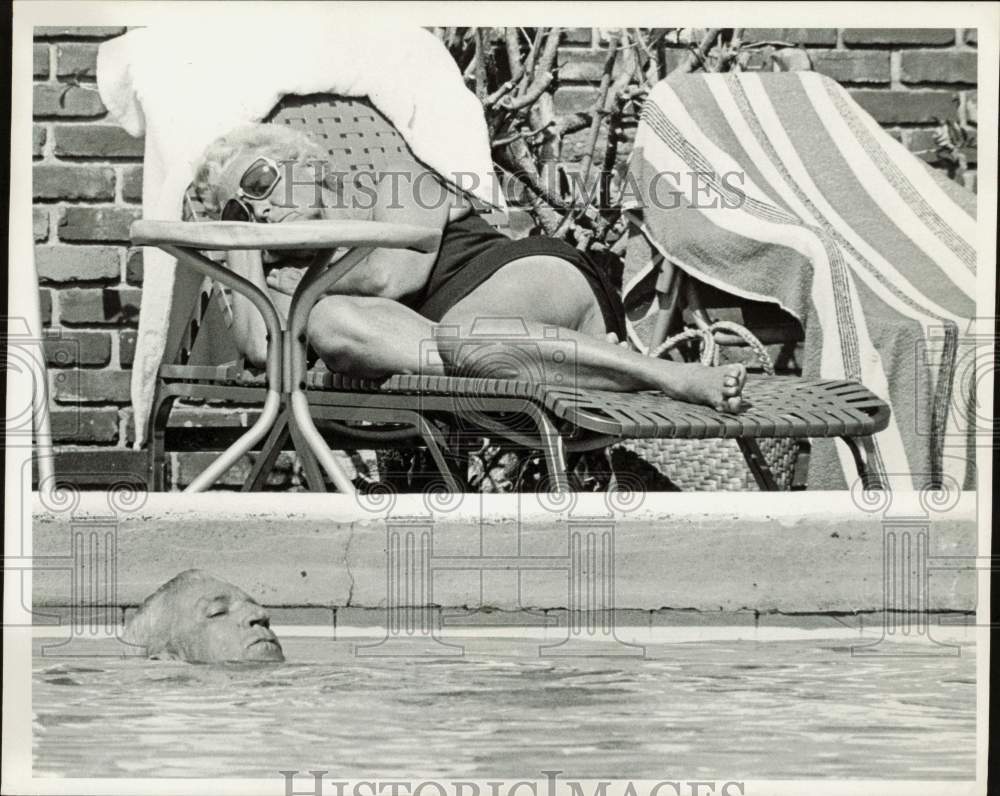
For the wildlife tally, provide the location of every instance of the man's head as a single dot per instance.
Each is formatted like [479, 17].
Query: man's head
[198, 618]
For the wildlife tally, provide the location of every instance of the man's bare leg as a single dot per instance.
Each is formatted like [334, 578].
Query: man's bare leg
[376, 337]
[373, 337]
[541, 292]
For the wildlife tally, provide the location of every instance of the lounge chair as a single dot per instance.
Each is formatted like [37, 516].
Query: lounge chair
[402, 410]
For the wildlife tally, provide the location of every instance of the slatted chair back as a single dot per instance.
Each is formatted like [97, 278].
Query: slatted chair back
[356, 136]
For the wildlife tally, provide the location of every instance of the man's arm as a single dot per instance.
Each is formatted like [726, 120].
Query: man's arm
[405, 194]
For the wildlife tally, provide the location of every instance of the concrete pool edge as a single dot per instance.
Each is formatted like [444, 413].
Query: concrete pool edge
[799, 553]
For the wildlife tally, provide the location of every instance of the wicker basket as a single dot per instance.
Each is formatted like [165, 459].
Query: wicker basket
[710, 464]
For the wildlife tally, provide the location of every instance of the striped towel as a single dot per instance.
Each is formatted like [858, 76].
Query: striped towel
[778, 187]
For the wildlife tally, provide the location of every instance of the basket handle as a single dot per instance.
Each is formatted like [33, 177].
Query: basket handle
[710, 347]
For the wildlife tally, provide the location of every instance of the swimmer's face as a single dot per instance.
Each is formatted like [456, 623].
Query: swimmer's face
[206, 620]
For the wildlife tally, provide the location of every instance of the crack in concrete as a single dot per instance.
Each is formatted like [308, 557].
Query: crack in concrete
[347, 566]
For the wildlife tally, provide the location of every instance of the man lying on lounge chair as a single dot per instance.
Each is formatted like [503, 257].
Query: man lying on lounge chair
[382, 318]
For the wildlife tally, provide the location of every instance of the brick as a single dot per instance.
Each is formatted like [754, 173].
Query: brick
[133, 267]
[882, 36]
[674, 58]
[852, 67]
[811, 37]
[59, 99]
[87, 32]
[972, 36]
[190, 465]
[40, 223]
[575, 145]
[74, 183]
[91, 386]
[574, 99]
[96, 141]
[96, 223]
[132, 184]
[76, 60]
[84, 425]
[907, 107]
[45, 306]
[77, 263]
[923, 144]
[578, 36]
[211, 427]
[126, 348]
[584, 65]
[76, 349]
[105, 466]
[37, 141]
[934, 66]
[40, 61]
[99, 306]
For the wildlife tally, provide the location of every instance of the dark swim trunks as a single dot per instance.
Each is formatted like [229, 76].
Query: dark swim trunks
[472, 251]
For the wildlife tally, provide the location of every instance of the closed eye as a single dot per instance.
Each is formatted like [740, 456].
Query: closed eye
[217, 612]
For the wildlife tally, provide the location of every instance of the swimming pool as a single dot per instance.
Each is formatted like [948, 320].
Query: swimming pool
[800, 708]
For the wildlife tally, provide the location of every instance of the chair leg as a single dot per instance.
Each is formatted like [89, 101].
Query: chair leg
[433, 439]
[269, 452]
[667, 294]
[758, 465]
[861, 450]
[553, 447]
[157, 458]
[310, 467]
[315, 443]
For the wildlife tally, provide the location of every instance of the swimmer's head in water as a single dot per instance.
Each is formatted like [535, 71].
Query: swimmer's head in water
[198, 618]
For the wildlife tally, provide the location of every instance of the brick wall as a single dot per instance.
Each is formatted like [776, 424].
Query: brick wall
[88, 183]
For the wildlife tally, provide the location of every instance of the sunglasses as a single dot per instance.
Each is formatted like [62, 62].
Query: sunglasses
[257, 182]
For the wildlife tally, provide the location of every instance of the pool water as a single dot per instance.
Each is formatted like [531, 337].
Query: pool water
[754, 710]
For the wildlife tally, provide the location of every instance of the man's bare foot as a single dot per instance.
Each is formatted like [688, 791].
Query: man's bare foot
[718, 387]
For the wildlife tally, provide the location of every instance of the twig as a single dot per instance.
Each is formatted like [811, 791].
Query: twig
[529, 64]
[513, 55]
[599, 112]
[521, 135]
[499, 94]
[541, 77]
[481, 86]
[699, 55]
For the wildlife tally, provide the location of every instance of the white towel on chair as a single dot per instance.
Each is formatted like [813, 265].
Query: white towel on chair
[185, 85]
